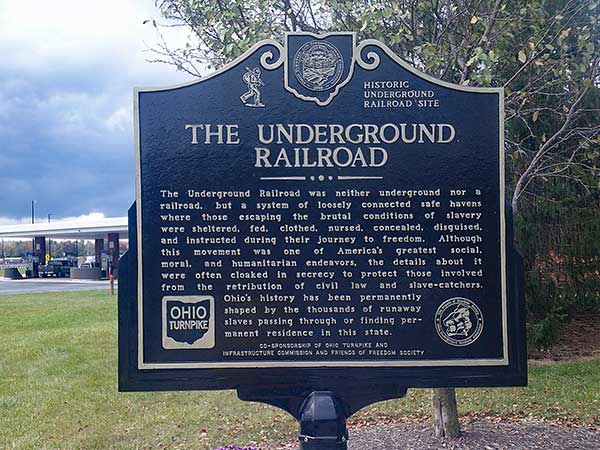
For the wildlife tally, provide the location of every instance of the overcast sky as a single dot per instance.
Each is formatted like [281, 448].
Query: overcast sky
[67, 73]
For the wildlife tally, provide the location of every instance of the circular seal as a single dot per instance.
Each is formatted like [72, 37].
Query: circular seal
[318, 65]
[459, 321]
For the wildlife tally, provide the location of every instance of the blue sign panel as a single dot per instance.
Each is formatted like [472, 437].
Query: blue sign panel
[320, 206]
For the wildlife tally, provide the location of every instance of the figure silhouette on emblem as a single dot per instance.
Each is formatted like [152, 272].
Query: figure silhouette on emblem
[458, 322]
[253, 81]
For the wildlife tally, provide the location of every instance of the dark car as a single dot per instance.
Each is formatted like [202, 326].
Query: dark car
[56, 267]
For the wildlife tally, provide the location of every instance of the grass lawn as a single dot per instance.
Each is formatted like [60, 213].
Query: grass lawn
[58, 389]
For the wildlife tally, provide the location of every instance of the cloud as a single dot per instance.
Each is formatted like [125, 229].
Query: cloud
[66, 84]
[120, 120]
[25, 220]
[13, 220]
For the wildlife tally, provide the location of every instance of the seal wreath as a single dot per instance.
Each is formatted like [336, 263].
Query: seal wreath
[318, 65]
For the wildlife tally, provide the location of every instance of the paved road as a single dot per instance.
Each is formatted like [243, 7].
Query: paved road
[35, 285]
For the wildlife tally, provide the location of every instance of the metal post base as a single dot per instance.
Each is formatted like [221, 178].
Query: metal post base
[322, 423]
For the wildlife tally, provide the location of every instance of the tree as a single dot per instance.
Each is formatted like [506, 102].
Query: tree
[545, 53]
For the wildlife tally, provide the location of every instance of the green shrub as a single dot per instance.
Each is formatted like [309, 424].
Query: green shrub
[560, 244]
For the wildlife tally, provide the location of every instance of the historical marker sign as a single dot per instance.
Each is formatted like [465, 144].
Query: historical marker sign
[320, 215]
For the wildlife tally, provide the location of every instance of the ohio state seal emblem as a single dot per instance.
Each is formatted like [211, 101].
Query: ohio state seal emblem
[318, 65]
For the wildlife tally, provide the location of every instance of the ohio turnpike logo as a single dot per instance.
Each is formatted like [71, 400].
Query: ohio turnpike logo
[188, 322]
[459, 321]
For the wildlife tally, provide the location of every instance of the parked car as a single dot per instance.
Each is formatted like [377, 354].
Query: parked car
[59, 268]
[89, 265]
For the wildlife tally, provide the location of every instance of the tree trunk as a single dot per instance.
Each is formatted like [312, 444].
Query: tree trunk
[445, 414]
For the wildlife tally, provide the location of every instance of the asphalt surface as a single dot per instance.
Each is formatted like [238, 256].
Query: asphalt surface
[39, 285]
[476, 436]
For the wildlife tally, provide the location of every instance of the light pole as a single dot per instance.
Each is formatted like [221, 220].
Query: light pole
[49, 240]
[34, 272]
[33, 202]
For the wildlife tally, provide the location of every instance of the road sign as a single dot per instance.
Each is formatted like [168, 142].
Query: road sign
[319, 215]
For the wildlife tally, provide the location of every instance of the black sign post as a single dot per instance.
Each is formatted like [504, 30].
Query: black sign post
[320, 226]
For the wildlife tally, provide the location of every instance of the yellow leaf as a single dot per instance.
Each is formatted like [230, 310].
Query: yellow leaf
[474, 20]
[522, 56]
[535, 115]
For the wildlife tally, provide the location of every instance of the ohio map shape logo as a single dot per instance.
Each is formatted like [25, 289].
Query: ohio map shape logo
[188, 322]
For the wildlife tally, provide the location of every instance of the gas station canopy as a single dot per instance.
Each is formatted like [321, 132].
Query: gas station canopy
[68, 229]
